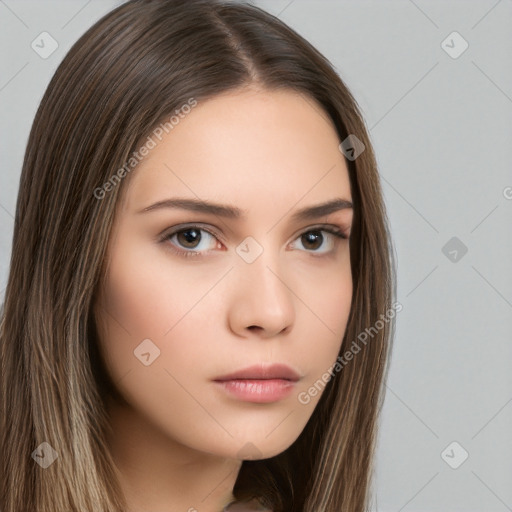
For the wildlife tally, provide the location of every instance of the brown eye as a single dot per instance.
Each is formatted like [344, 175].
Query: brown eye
[192, 241]
[312, 240]
[189, 237]
[320, 241]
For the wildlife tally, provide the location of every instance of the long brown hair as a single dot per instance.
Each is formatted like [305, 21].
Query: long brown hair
[130, 72]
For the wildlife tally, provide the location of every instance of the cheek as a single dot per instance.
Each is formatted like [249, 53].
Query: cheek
[150, 312]
[326, 293]
[337, 304]
[148, 297]
[325, 317]
[130, 310]
[135, 293]
[147, 293]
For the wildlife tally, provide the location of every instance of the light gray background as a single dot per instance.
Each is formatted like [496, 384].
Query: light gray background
[441, 128]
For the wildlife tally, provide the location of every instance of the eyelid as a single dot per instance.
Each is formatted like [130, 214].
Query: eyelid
[344, 231]
[167, 233]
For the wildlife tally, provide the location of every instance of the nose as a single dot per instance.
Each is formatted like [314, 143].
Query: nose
[261, 302]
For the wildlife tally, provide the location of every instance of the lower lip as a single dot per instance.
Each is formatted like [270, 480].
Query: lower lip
[258, 390]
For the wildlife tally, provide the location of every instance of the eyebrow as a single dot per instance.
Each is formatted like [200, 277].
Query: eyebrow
[232, 212]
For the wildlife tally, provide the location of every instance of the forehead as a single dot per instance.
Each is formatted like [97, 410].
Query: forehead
[242, 145]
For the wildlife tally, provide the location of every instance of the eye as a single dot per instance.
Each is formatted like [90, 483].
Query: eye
[192, 241]
[195, 240]
[314, 239]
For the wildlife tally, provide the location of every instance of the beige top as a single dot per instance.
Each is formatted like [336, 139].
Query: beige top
[247, 506]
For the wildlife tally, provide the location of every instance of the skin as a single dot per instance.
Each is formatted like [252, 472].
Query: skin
[180, 438]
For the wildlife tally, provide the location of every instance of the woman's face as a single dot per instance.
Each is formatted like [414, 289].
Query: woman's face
[195, 293]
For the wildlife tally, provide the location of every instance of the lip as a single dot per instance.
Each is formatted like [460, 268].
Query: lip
[263, 372]
[260, 383]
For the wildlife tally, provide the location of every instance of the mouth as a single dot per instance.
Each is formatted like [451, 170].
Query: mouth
[260, 383]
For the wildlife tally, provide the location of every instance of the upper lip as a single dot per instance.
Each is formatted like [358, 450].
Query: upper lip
[263, 372]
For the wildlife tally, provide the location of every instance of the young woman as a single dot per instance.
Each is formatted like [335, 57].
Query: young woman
[200, 253]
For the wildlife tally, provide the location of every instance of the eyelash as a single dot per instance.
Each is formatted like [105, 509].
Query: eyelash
[333, 230]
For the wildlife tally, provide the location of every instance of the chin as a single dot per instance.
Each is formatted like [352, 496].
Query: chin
[256, 446]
